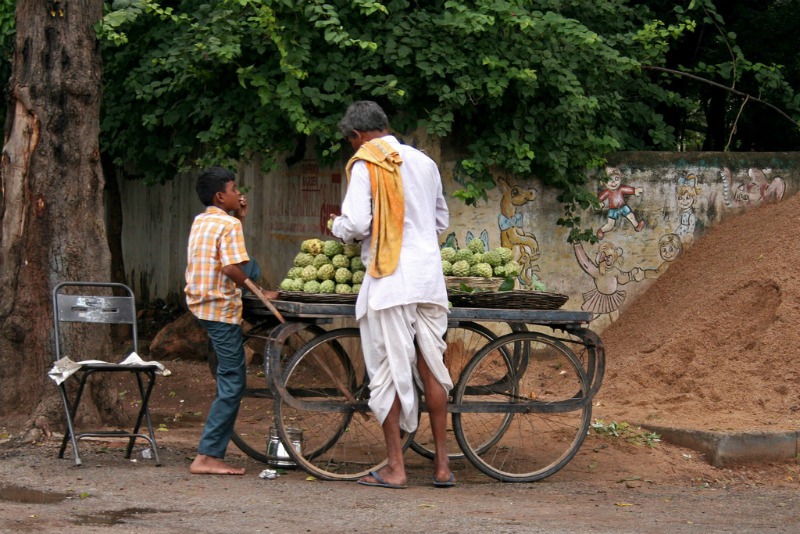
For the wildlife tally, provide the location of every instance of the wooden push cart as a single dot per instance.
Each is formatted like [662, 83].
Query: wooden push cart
[521, 406]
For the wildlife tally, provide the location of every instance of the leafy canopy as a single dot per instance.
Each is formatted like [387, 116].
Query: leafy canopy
[541, 88]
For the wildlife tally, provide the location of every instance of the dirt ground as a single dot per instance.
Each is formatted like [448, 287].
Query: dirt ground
[612, 485]
[720, 354]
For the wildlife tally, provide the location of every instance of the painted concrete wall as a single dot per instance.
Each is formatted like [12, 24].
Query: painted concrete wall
[673, 198]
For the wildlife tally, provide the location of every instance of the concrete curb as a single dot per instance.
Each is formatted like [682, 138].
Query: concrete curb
[725, 448]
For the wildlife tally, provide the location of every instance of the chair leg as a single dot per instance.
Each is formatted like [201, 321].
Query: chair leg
[144, 413]
[70, 411]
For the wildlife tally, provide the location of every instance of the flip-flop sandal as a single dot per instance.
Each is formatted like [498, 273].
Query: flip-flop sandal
[449, 483]
[380, 483]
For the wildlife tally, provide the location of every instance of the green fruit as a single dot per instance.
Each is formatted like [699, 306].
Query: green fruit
[356, 264]
[448, 254]
[493, 258]
[312, 286]
[461, 268]
[484, 270]
[303, 259]
[358, 277]
[320, 260]
[343, 275]
[326, 272]
[312, 246]
[331, 248]
[328, 286]
[343, 289]
[309, 273]
[447, 268]
[340, 260]
[506, 254]
[351, 250]
[465, 254]
[356, 288]
[476, 245]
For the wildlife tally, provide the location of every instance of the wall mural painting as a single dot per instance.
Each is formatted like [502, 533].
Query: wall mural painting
[613, 198]
[687, 192]
[670, 249]
[606, 272]
[754, 191]
[512, 234]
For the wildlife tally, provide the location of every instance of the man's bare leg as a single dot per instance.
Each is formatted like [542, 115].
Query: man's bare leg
[395, 471]
[208, 465]
[436, 401]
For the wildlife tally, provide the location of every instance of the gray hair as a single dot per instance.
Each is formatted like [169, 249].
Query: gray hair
[364, 116]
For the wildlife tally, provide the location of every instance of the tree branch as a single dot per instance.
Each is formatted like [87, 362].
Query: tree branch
[729, 89]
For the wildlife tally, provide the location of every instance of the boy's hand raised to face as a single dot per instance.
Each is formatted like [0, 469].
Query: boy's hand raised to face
[243, 207]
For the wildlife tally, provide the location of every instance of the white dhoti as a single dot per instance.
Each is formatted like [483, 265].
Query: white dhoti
[388, 339]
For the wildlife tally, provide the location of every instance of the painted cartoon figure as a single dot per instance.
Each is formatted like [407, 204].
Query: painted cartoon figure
[511, 233]
[614, 198]
[606, 297]
[670, 248]
[756, 191]
[687, 195]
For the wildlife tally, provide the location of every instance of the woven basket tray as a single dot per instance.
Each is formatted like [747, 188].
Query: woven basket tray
[320, 298]
[475, 282]
[517, 299]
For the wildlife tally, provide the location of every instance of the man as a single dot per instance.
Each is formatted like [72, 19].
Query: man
[394, 204]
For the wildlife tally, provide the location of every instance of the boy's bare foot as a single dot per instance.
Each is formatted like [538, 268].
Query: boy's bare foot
[208, 465]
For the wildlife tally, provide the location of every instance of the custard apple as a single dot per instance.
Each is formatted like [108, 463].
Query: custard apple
[513, 268]
[312, 286]
[447, 268]
[356, 288]
[484, 270]
[476, 245]
[327, 286]
[320, 260]
[326, 272]
[309, 273]
[303, 259]
[461, 268]
[358, 277]
[356, 264]
[343, 289]
[449, 254]
[343, 275]
[340, 260]
[465, 254]
[331, 248]
[312, 246]
[493, 258]
[351, 249]
[506, 254]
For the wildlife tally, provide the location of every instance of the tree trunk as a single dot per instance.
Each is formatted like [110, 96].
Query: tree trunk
[51, 211]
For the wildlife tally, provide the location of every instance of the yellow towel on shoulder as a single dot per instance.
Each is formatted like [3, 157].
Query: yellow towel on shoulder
[388, 204]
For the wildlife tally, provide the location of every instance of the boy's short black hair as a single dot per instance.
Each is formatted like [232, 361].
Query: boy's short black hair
[211, 182]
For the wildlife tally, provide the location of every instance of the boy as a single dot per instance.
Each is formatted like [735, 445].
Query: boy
[218, 265]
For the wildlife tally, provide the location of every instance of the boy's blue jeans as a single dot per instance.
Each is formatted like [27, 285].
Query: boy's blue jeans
[228, 343]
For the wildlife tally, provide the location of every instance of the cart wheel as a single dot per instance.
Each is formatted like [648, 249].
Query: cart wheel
[539, 396]
[256, 415]
[325, 399]
[464, 340]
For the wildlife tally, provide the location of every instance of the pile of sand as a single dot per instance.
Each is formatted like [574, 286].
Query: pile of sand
[714, 343]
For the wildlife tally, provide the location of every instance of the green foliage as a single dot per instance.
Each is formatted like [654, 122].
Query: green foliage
[541, 88]
[637, 436]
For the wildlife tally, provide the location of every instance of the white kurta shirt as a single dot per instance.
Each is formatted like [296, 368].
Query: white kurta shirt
[419, 277]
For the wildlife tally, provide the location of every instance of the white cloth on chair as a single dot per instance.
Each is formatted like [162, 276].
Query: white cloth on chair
[65, 367]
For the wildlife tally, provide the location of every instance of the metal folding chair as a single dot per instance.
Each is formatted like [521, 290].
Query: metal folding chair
[93, 303]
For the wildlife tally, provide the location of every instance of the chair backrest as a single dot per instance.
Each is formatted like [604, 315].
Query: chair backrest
[92, 302]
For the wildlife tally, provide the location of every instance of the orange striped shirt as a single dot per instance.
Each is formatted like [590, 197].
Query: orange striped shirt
[216, 240]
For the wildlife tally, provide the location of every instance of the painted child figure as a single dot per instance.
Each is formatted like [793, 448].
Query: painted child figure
[614, 197]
